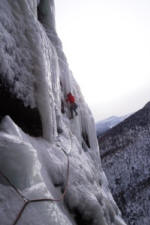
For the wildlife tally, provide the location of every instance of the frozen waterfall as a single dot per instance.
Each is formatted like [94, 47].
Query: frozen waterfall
[34, 69]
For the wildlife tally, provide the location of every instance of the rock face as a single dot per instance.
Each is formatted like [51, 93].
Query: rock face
[34, 81]
[125, 153]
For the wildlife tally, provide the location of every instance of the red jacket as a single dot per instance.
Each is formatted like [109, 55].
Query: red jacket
[70, 98]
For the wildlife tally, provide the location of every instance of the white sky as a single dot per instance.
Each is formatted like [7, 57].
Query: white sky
[107, 44]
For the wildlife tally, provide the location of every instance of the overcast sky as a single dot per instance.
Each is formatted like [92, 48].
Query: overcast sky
[107, 44]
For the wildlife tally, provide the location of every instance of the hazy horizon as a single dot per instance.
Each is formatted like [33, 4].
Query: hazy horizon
[108, 49]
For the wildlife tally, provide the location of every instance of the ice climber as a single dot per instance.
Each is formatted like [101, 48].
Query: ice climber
[73, 105]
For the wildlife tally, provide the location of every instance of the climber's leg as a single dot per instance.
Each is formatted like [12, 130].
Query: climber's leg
[71, 111]
[75, 106]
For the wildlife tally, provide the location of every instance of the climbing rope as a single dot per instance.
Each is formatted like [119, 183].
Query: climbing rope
[29, 201]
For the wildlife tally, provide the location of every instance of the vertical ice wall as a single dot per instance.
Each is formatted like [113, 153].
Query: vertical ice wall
[36, 70]
[34, 65]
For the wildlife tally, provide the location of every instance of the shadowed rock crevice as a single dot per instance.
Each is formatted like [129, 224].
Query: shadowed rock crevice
[24, 116]
[79, 218]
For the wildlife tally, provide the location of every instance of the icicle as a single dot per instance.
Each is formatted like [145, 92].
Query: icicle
[46, 13]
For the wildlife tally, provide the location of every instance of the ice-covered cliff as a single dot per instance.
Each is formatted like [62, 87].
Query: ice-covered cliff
[125, 153]
[37, 137]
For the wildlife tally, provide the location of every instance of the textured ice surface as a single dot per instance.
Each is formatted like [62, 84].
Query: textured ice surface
[35, 68]
[38, 169]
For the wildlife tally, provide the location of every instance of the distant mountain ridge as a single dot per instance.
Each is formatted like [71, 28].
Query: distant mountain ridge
[104, 125]
[125, 153]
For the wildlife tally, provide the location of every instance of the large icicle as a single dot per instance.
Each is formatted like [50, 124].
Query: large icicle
[45, 71]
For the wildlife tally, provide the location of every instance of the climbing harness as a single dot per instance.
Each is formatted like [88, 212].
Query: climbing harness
[29, 201]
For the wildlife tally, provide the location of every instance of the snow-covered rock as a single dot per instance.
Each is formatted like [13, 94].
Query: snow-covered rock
[34, 81]
[125, 153]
